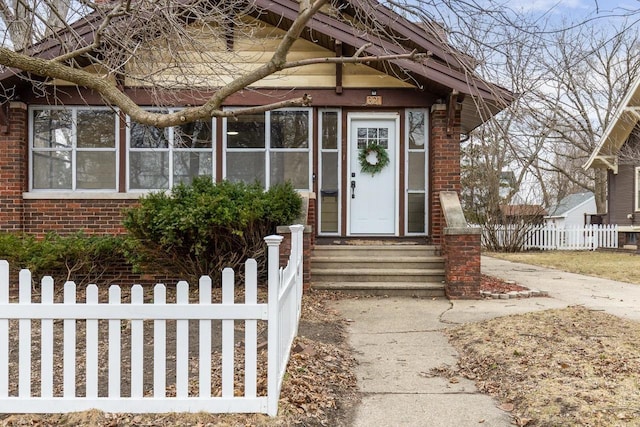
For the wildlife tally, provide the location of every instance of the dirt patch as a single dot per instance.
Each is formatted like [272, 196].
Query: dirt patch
[555, 368]
[320, 387]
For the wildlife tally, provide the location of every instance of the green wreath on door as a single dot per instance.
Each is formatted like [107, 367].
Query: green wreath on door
[381, 156]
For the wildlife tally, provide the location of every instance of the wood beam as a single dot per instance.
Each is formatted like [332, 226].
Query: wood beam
[451, 110]
[611, 162]
[4, 118]
[338, 50]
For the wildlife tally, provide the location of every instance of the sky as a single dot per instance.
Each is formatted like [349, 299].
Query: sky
[574, 10]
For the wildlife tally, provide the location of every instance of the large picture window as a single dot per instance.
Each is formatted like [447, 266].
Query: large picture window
[160, 158]
[271, 147]
[73, 148]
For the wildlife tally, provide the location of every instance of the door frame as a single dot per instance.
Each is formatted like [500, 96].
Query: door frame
[368, 115]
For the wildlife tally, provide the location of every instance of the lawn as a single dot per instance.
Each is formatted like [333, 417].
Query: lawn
[621, 266]
[569, 367]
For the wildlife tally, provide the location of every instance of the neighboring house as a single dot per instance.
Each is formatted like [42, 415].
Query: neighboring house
[618, 152]
[516, 214]
[575, 210]
[77, 164]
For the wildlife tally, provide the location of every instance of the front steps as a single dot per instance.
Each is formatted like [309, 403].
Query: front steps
[373, 269]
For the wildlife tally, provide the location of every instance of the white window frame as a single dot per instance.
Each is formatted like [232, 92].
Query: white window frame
[170, 150]
[267, 150]
[73, 149]
[424, 150]
[322, 150]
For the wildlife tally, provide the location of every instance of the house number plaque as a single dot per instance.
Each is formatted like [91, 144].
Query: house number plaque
[374, 100]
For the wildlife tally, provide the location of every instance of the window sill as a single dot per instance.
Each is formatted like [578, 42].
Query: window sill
[80, 195]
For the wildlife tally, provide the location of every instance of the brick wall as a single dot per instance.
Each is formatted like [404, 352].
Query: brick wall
[444, 164]
[13, 167]
[66, 216]
[462, 264]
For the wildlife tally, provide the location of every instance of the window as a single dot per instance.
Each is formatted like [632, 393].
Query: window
[160, 158]
[73, 148]
[271, 147]
[416, 170]
[369, 136]
[329, 129]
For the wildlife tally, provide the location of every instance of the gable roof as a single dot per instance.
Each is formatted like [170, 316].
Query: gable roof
[569, 203]
[444, 71]
[625, 118]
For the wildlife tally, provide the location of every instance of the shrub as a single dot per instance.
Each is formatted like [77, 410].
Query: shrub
[199, 229]
[83, 259]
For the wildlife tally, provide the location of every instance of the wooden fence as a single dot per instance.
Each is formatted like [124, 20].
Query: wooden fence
[544, 237]
[125, 323]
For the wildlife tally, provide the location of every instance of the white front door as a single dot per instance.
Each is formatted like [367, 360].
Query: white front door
[372, 198]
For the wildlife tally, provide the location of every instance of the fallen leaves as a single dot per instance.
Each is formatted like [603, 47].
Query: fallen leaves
[319, 389]
[558, 367]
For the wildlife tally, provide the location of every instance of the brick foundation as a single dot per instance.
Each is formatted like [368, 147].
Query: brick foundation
[65, 216]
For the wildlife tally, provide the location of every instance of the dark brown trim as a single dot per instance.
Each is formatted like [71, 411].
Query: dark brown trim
[4, 118]
[122, 154]
[402, 172]
[353, 98]
[343, 173]
[315, 172]
[219, 149]
[229, 34]
[339, 67]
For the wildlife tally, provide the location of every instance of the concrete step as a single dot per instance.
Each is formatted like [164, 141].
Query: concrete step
[379, 269]
[388, 275]
[432, 290]
[376, 250]
[377, 262]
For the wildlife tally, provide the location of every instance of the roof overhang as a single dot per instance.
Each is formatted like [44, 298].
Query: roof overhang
[624, 120]
[440, 71]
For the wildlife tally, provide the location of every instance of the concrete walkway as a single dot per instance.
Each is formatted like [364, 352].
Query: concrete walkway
[397, 341]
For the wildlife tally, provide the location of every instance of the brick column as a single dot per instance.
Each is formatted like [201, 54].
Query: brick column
[13, 167]
[461, 250]
[444, 164]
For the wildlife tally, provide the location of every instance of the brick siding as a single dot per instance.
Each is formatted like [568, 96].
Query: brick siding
[444, 165]
[13, 170]
[68, 216]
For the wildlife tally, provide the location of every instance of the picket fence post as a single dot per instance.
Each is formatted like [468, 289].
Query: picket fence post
[4, 331]
[273, 247]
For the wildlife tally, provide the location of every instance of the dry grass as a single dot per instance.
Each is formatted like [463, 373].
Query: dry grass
[621, 266]
[555, 368]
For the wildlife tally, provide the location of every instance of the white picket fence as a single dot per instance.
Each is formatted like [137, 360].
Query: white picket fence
[282, 313]
[545, 237]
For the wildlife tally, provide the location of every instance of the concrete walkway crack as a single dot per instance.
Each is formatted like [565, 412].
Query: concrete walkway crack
[441, 315]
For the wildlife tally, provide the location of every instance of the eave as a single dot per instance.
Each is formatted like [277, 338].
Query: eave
[442, 72]
[625, 119]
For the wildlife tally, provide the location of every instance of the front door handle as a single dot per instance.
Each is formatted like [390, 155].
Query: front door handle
[353, 189]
